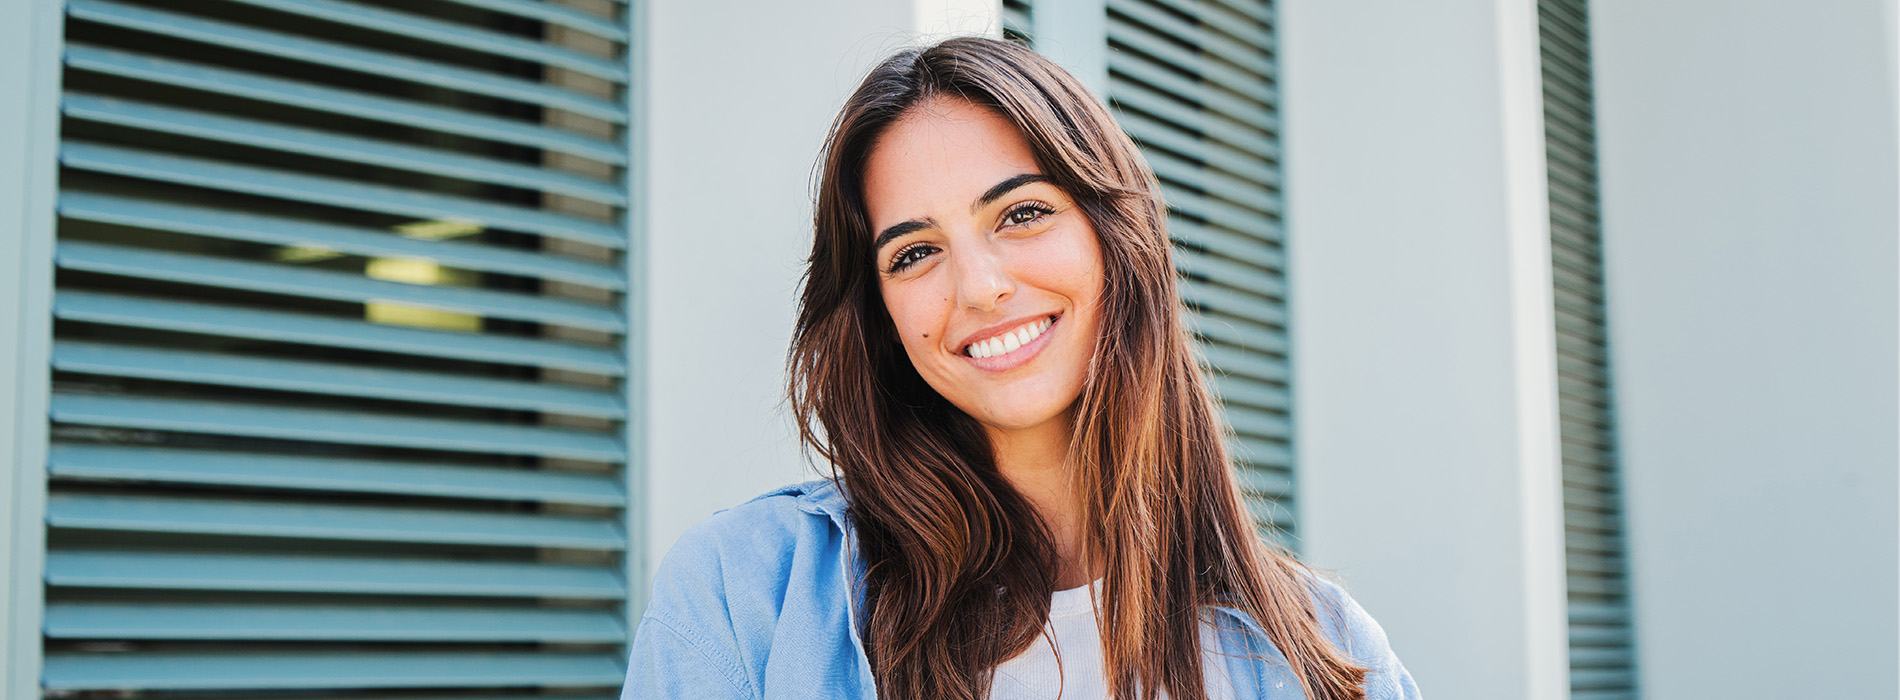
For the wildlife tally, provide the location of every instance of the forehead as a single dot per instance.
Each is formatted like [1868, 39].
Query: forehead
[938, 158]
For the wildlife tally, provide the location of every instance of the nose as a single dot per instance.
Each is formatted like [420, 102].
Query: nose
[983, 281]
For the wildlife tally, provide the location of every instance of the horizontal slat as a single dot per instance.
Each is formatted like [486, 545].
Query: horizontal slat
[283, 184]
[330, 623]
[1152, 133]
[450, 34]
[327, 474]
[1256, 10]
[379, 63]
[1257, 194]
[259, 228]
[1244, 82]
[1261, 453]
[212, 671]
[276, 278]
[208, 516]
[1247, 23]
[1231, 302]
[1249, 392]
[329, 574]
[191, 317]
[1250, 249]
[326, 284]
[1275, 511]
[433, 162]
[1224, 271]
[1256, 423]
[1130, 67]
[1208, 40]
[554, 14]
[1620, 679]
[349, 427]
[1252, 338]
[1263, 482]
[1247, 222]
[330, 378]
[1196, 122]
[338, 101]
[1234, 361]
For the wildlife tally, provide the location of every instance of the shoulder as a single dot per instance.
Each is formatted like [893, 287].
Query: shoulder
[724, 567]
[746, 546]
[737, 584]
[768, 523]
[1352, 630]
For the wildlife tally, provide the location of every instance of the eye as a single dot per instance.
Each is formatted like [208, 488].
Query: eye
[909, 255]
[1027, 213]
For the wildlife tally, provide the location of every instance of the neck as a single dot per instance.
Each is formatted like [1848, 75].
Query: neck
[1035, 460]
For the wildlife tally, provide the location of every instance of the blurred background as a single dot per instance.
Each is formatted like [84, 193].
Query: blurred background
[381, 348]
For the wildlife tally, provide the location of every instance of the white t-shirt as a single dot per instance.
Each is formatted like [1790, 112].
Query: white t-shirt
[1033, 675]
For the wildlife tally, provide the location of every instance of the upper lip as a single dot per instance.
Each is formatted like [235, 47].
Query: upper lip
[997, 330]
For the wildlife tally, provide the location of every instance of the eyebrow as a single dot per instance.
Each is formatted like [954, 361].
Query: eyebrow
[901, 229]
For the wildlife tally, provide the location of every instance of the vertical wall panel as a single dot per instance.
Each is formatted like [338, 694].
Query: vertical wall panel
[339, 353]
[1601, 655]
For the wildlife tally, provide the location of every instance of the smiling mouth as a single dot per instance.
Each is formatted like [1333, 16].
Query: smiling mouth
[1010, 340]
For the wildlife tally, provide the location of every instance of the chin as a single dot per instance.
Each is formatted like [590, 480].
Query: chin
[1015, 417]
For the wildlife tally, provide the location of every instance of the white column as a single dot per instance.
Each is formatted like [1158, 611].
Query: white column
[30, 43]
[1750, 160]
[1423, 340]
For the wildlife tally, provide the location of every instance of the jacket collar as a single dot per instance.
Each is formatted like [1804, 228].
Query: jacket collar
[827, 497]
[820, 497]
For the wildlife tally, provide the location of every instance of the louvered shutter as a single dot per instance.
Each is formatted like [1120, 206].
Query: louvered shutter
[340, 349]
[1601, 653]
[1016, 21]
[1193, 81]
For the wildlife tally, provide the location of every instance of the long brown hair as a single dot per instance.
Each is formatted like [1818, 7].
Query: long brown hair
[960, 566]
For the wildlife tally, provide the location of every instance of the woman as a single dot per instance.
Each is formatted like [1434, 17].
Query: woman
[1031, 494]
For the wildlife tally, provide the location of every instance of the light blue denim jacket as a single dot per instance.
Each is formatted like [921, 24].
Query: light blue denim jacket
[751, 603]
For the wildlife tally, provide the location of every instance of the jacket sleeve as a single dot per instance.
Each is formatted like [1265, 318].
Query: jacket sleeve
[1362, 639]
[666, 664]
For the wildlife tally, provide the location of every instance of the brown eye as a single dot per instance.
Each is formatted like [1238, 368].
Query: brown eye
[1026, 213]
[909, 256]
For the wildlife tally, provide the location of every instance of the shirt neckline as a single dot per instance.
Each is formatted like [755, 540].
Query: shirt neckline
[1079, 600]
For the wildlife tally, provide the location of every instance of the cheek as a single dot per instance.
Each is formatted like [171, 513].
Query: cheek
[1069, 264]
[918, 314]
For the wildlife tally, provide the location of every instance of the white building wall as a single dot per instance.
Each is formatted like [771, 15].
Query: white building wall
[739, 96]
[1424, 379]
[1751, 198]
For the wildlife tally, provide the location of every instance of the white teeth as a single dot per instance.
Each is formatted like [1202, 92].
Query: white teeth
[1009, 342]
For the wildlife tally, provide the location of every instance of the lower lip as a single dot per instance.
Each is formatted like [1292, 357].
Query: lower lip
[1011, 360]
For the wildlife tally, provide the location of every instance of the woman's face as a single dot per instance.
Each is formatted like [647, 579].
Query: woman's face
[991, 274]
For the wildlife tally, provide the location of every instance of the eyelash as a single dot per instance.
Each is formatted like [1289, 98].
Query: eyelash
[902, 259]
[1039, 207]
